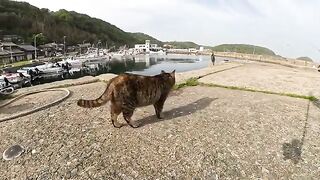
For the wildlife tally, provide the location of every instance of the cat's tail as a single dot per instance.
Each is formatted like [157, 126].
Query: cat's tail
[103, 99]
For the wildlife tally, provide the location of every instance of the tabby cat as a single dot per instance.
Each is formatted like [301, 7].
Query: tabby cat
[129, 91]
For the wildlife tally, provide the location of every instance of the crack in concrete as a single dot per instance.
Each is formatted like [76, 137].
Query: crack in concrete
[199, 77]
[293, 150]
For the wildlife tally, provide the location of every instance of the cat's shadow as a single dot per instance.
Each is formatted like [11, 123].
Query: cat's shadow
[177, 112]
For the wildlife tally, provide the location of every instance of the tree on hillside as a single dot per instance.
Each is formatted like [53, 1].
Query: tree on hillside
[25, 20]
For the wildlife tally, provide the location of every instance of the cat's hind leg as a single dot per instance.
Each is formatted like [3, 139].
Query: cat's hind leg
[127, 114]
[115, 111]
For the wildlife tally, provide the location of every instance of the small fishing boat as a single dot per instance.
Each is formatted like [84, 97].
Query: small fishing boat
[47, 68]
[5, 87]
[73, 62]
[158, 53]
[6, 90]
[16, 80]
[14, 77]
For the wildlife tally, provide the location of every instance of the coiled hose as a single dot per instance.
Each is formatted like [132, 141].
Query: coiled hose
[36, 109]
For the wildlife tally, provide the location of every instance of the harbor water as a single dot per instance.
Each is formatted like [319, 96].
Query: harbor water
[141, 64]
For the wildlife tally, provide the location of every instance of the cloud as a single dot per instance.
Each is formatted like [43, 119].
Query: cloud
[289, 27]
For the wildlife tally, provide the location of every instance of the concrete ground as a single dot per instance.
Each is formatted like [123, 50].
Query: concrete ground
[271, 77]
[209, 133]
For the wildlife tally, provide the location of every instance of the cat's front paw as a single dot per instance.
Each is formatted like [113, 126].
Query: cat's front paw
[117, 125]
[134, 125]
[159, 116]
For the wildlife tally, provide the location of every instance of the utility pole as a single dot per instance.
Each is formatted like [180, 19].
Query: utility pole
[64, 45]
[35, 48]
[82, 45]
[35, 45]
[99, 42]
[11, 58]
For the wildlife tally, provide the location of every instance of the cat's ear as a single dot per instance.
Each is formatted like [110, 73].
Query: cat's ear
[162, 72]
[173, 73]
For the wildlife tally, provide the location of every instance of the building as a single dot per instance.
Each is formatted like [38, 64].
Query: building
[10, 52]
[4, 56]
[29, 51]
[83, 48]
[147, 47]
[50, 49]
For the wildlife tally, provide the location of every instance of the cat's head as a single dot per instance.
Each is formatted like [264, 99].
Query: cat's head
[169, 77]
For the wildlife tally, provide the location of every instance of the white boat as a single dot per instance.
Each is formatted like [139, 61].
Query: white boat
[158, 53]
[50, 68]
[13, 80]
[92, 57]
[122, 55]
[73, 70]
[2, 82]
[4, 89]
[14, 77]
[25, 70]
[75, 63]
[45, 68]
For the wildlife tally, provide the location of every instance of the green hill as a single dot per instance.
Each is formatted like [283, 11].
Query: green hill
[25, 20]
[182, 44]
[141, 37]
[305, 59]
[244, 48]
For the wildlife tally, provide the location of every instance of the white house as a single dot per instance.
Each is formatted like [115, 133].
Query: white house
[147, 47]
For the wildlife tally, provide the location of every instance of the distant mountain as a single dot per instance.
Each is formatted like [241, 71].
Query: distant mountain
[240, 48]
[304, 58]
[25, 20]
[141, 37]
[244, 48]
[182, 44]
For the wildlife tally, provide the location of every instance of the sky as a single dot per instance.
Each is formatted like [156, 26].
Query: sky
[290, 28]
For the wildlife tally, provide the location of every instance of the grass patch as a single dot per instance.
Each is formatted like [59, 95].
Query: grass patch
[2, 97]
[20, 63]
[311, 98]
[189, 82]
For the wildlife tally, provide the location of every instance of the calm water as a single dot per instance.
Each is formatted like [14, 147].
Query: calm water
[146, 65]
[153, 65]
[143, 65]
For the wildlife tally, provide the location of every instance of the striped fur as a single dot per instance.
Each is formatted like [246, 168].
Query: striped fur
[129, 91]
[103, 99]
[93, 103]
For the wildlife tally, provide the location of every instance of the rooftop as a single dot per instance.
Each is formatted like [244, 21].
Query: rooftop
[84, 45]
[16, 51]
[4, 52]
[27, 47]
[8, 44]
